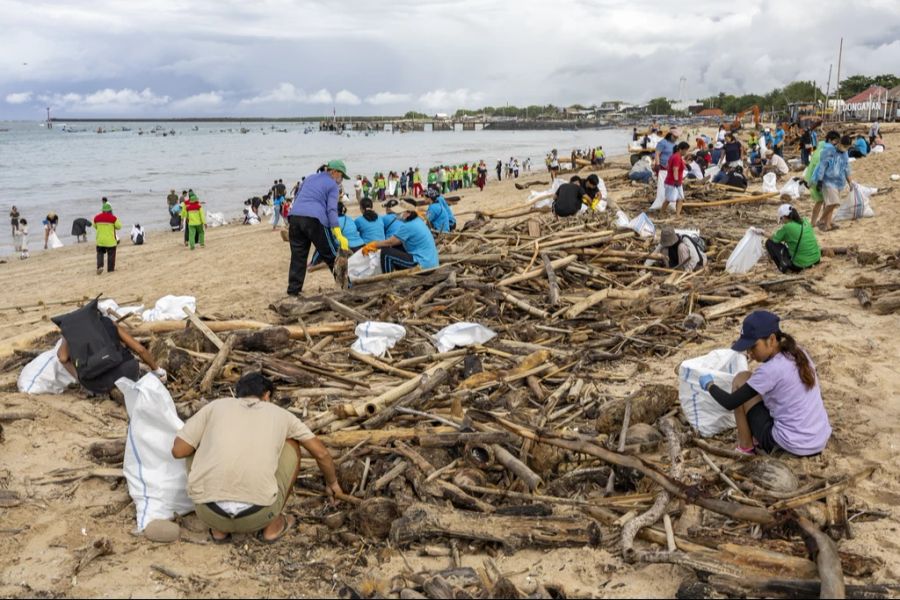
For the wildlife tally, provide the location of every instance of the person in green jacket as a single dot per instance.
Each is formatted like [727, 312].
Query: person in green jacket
[106, 224]
[196, 221]
[794, 246]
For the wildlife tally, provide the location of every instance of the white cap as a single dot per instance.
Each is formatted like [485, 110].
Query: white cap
[785, 210]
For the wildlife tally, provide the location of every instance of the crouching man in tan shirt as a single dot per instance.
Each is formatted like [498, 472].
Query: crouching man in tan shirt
[243, 456]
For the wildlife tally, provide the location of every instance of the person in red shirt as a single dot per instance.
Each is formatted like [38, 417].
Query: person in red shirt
[675, 177]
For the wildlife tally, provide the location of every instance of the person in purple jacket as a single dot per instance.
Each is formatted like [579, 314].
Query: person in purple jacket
[780, 404]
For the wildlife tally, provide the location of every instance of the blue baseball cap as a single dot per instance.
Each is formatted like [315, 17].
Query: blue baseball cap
[757, 325]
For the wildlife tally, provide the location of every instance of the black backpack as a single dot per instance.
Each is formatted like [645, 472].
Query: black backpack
[91, 346]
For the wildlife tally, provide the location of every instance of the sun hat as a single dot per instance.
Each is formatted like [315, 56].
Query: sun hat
[785, 210]
[757, 325]
[668, 237]
[338, 165]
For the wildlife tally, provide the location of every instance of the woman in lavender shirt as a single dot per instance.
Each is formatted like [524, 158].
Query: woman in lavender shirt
[780, 404]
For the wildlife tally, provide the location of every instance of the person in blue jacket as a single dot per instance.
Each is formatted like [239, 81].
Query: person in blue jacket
[411, 245]
[860, 147]
[370, 224]
[830, 176]
[348, 230]
[439, 214]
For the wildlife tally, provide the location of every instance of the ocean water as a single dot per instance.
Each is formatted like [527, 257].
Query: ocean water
[65, 172]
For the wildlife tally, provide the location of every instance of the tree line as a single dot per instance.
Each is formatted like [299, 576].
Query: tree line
[776, 100]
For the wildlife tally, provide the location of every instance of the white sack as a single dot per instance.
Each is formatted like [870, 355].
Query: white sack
[856, 206]
[215, 219]
[360, 266]
[622, 220]
[53, 241]
[791, 189]
[157, 482]
[770, 183]
[108, 306]
[747, 253]
[45, 374]
[375, 337]
[462, 334]
[170, 308]
[700, 409]
[643, 226]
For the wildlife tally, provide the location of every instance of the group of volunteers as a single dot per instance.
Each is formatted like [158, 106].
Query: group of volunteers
[318, 219]
[187, 214]
[445, 178]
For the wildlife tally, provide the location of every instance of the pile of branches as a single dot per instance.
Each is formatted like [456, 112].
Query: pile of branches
[526, 440]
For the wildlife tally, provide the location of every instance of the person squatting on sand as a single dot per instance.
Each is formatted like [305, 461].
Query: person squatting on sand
[779, 404]
[243, 456]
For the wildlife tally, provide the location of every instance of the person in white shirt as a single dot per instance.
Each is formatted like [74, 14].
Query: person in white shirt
[137, 234]
[775, 164]
[720, 135]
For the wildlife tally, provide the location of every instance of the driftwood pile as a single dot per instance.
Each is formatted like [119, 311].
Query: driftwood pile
[527, 441]
[536, 438]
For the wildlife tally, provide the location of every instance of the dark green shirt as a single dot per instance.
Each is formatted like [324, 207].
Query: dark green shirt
[805, 253]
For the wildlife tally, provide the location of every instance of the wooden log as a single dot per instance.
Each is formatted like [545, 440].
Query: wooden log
[827, 560]
[722, 309]
[517, 468]
[108, 451]
[887, 304]
[381, 366]
[528, 363]
[297, 333]
[380, 437]
[535, 273]
[423, 521]
[422, 392]
[791, 588]
[807, 498]
[344, 310]
[25, 340]
[215, 368]
[519, 303]
[864, 296]
[592, 300]
[553, 282]
[731, 201]
[203, 328]
[267, 340]
[17, 415]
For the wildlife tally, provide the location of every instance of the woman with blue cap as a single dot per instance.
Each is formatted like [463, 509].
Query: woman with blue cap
[779, 405]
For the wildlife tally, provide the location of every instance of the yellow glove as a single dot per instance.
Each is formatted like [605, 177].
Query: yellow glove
[369, 248]
[339, 236]
[591, 203]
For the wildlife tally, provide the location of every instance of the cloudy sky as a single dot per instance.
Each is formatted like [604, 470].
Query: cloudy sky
[148, 58]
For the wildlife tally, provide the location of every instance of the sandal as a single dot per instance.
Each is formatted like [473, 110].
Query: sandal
[289, 523]
[215, 540]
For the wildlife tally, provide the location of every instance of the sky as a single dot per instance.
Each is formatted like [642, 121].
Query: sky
[206, 58]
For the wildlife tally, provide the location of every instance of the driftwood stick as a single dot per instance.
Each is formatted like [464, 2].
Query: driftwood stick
[535, 273]
[203, 328]
[215, 368]
[611, 481]
[827, 559]
[381, 366]
[551, 279]
[517, 467]
[662, 499]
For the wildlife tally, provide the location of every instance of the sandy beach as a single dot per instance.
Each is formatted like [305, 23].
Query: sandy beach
[243, 269]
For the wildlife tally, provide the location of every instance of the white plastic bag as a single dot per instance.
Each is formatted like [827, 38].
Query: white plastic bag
[791, 189]
[53, 241]
[108, 306]
[769, 183]
[360, 266]
[462, 334]
[375, 337]
[622, 220]
[643, 226]
[746, 254]
[215, 219]
[700, 409]
[712, 171]
[45, 374]
[856, 206]
[170, 308]
[156, 482]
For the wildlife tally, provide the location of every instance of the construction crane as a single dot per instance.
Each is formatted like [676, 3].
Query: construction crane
[737, 125]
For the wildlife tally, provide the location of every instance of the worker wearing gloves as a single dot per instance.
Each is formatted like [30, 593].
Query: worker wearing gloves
[410, 245]
[313, 221]
[348, 229]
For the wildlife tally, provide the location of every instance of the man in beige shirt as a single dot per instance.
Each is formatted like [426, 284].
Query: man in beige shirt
[243, 458]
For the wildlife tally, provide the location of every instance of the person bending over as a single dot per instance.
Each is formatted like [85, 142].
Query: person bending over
[439, 214]
[243, 456]
[410, 244]
[779, 404]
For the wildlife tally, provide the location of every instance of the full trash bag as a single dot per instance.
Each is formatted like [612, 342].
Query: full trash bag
[747, 253]
[856, 206]
[376, 337]
[462, 334]
[770, 183]
[157, 482]
[360, 266]
[45, 374]
[699, 408]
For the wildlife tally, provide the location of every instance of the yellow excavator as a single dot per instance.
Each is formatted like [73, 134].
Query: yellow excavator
[737, 124]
